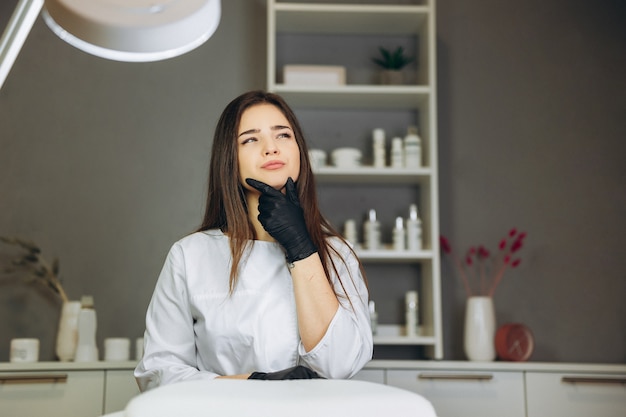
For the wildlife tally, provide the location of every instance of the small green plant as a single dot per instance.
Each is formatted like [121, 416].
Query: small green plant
[393, 60]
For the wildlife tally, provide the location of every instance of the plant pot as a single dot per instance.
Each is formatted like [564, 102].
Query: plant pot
[391, 77]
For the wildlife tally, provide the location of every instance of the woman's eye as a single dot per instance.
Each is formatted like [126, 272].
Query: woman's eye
[285, 135]
[248, 140]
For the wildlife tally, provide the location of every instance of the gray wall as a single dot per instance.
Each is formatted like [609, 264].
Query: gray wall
[104, 165]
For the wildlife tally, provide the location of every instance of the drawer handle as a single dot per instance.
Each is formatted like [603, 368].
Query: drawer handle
[33, 379]
[457, 377]
[592, 380]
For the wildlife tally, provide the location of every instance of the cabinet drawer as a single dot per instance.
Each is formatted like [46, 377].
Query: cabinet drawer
[466, 393]
[51, 394]
[121, 386]
[371, 375]
[574, 395]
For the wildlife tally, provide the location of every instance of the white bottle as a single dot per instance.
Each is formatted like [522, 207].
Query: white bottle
[373, 317]
[379, 148]
[371, 231]
[399, 235]
[87, 350]
[413, 230]
[397, 153]
[412, 314]
[349, 232]
[412, 149]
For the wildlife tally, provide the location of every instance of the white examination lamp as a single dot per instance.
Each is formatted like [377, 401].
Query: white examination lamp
[121, 30]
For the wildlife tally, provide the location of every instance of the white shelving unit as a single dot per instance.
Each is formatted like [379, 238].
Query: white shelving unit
[288, 20]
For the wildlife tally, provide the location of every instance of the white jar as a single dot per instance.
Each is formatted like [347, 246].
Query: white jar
[378, 136]
[412, 149]
[397, 153]
[346, 157]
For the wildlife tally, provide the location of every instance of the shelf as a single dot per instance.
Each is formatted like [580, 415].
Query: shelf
[371, 175]
[346, 34]
[393, 334]
[350, 18]
[355, 96]
[393, 256]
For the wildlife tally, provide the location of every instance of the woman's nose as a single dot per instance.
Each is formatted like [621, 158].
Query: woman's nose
[270, 147]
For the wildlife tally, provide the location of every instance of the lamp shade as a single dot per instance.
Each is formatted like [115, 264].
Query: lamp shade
[133, 30]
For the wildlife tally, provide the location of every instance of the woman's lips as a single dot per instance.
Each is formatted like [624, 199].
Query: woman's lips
[273, 165]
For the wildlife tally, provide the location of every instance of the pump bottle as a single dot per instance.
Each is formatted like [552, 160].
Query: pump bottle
[412, 317]
[399, 236]
[86, 350]
[371, 231]
[414, 229]
[373, 317]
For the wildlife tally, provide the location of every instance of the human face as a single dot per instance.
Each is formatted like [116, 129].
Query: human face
[267, 150]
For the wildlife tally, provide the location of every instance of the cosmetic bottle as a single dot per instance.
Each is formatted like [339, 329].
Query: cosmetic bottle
[371, 231]
[412, 149]
[397, 153]
[349, 232]
[373, 317]
[378, 136]
[399, 235]
[86, 350]
[413, 230]
[411, 313]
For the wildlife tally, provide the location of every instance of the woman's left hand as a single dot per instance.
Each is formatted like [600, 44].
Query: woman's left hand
[283, 218]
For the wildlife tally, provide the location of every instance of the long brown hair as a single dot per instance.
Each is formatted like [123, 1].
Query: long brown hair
[226, 205]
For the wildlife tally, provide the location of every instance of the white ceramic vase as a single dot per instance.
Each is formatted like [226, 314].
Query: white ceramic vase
[67, 334]
[480, 328]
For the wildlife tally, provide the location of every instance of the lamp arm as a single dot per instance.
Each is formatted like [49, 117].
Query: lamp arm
[15, 34]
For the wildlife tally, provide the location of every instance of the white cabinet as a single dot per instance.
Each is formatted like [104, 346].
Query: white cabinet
[465, 393]
[348, 35]
[575, 394]
[120, 386]
[65, 389]
[511, 389]
[371, 375]
[51, 393]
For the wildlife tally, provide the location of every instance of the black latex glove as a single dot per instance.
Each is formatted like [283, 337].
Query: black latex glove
[297, 372]
[283, 218]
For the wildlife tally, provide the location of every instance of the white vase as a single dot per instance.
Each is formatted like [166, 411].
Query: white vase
[67, 335]
[480, 328]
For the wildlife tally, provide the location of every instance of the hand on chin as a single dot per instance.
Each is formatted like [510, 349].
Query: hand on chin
[274, 181]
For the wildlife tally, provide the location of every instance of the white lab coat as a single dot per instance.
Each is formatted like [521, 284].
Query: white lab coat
[195, 329]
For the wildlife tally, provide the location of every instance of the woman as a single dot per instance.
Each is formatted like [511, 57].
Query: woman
[265, 284]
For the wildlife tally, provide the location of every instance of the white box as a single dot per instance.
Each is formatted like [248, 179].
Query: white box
[314, 75]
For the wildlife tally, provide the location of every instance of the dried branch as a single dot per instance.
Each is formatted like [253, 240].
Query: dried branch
[35, 265]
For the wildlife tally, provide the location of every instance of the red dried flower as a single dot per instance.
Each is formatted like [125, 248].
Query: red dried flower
[445, 244]
[477, 262]
[517, 245]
